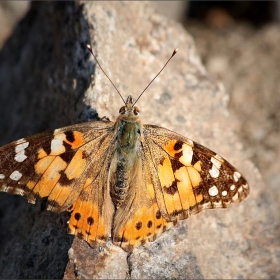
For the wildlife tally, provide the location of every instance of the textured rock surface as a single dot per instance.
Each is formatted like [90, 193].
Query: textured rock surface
[132, 43]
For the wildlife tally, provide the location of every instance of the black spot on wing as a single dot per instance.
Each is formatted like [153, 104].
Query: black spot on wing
[90, 221]
[138, 225]
[64, 180]
[158, 214]
[178, 145]
[68, 154]
[70, 136]
[178, 155]
[176, 164]
[47, 147]
[195, 159]
[172, 189]
[77, 216]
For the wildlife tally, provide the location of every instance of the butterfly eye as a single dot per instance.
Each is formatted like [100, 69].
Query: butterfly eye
[122, 110]
[136, 111]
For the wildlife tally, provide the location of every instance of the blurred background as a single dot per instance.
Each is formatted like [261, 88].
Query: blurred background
[238, 42]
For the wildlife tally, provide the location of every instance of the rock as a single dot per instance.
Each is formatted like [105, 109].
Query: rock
[46, 77]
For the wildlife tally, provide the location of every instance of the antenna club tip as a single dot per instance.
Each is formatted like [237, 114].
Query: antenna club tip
[174, 52]
[89, 47]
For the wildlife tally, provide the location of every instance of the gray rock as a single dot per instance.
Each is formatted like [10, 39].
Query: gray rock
[46, 82]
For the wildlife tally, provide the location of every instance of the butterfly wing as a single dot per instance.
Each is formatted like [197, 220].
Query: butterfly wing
[176, 178]
[139, 219]
[69, 167]
[188, 177]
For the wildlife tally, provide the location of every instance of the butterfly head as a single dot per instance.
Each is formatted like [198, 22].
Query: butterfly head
[129, 110]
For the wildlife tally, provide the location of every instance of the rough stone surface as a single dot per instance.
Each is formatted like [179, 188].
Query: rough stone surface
[247, 60]
[132, 43]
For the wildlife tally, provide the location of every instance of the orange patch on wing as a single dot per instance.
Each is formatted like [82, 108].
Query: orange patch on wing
[78, 140]
[165, 173]
[168, 183]
[42, 165]
[78, 224]
[185, 188]
[197, 165]
[170, 148]
[146, 225]
[86, 222]
[194, 176]
[49, 177]
[139, 228]
[41, 153]
[76, 166]
[30, 185]
[60, 194]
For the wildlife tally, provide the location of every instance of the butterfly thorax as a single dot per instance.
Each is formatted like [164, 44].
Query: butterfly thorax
[128, 131]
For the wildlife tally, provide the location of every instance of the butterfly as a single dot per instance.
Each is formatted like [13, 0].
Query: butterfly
[122, 181]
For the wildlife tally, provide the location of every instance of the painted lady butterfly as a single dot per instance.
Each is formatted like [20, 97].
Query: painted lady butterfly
[122, 181]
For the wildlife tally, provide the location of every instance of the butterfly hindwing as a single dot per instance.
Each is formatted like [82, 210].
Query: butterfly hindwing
[139, 219]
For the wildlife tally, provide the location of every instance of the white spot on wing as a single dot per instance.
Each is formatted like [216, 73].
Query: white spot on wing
[19, 150]
[232, 187]
[190, 142]
[2, 176]
[213, 191]
[235, 197]
[236, 176]
[214, 172]
[224, 193]
[57, 146]
[216, 162]
[21, 147]
[16, 175]
[20, 156]
[187, 156]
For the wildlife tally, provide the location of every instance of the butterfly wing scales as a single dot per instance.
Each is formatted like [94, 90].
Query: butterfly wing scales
[177, 178]
[63, 166]
[139, 219]
[191, 177]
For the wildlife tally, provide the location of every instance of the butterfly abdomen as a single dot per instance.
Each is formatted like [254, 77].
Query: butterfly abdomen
[119, 184]
[128, 133]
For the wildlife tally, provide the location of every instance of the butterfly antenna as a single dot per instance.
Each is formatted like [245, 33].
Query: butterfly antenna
[174, 52]
[90, 49]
